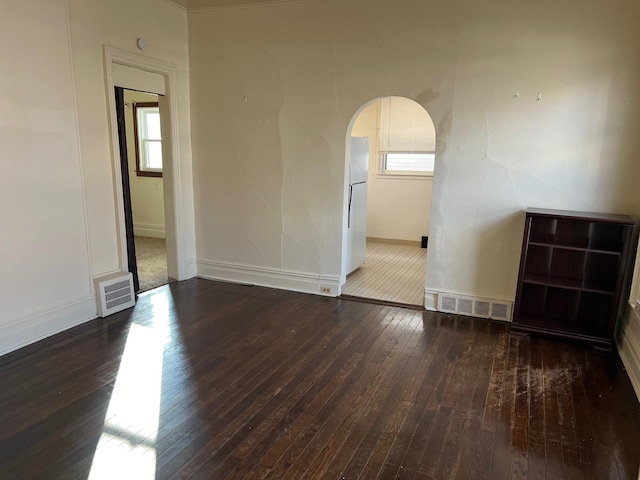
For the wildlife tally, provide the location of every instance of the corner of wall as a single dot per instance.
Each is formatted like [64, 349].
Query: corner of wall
[628, 343]
[430, 300]
[191, 268]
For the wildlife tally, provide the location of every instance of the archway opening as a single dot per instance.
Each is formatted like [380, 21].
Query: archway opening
[386, 230]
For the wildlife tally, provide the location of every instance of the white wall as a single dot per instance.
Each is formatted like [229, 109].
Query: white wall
[269, 139]
[43, 247]
[58, 205]
[147, 200]
[397, 208]
[118, 24]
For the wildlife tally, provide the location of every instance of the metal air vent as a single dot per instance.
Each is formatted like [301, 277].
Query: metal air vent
[476, 307]
[114, 293]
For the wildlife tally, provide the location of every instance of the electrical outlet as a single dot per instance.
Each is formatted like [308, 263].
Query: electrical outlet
[326, 290]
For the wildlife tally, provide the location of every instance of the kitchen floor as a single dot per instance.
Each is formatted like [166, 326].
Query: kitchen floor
[392, 273]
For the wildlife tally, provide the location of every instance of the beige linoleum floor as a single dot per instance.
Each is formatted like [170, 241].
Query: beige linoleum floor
[392, 272]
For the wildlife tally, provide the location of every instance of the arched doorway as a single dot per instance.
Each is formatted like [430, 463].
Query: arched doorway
[401, 162]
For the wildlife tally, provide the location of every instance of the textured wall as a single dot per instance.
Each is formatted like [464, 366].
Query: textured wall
[274, 90]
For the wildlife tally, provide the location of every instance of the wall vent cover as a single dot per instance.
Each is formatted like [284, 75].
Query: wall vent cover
[481, 308]
[476, 307]
[114, 293]
[499, 311]
[447, 303]
[465, 306]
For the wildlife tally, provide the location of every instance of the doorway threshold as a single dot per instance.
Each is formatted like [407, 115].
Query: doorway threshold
[376, 301]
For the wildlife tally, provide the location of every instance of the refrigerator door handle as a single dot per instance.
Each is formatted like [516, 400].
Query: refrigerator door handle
[349, 209]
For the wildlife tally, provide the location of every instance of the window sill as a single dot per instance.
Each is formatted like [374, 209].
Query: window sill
[404, 176]
[144, 173]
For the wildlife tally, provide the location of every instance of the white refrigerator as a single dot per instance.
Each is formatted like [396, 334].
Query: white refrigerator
[357, 209]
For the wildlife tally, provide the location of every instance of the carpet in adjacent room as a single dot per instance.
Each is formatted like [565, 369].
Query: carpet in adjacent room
[151, 257]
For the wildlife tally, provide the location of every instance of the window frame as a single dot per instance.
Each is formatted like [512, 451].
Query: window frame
[384, 148]
[383, 170]
[141, 169]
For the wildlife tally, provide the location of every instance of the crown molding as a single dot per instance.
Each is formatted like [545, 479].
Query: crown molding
[175, 5]
[254, 4]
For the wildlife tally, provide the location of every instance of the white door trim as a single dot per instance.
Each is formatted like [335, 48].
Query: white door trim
[176, 255]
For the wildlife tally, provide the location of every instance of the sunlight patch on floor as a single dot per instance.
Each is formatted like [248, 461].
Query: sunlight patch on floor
[125, 449]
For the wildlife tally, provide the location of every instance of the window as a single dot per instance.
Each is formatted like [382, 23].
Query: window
[406, 138]
[148, 139]
[409, 162]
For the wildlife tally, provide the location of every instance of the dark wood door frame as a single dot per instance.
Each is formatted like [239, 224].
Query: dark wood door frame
[126, 189]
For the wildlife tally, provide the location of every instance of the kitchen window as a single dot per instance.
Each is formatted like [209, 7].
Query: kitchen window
[406, 138]
[148, 139]
[408, 163]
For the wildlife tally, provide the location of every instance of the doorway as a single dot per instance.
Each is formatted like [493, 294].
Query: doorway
[131, 71]
[401, 166]
[140, 141]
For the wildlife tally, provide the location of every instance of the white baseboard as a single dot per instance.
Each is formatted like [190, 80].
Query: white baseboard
[430, 300]
[395, 241]
[327, 285]
[191, 269]
[628, 342]
[470, 305]
[149, 230]
[46, 322]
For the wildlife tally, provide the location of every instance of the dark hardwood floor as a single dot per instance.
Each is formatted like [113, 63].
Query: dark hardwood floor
[213, 380]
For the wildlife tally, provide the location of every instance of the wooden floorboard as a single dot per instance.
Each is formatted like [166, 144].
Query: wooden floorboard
[209, 380]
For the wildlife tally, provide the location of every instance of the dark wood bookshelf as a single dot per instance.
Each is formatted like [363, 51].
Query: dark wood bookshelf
[571, 275]
[569, 283]
[569, 246]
